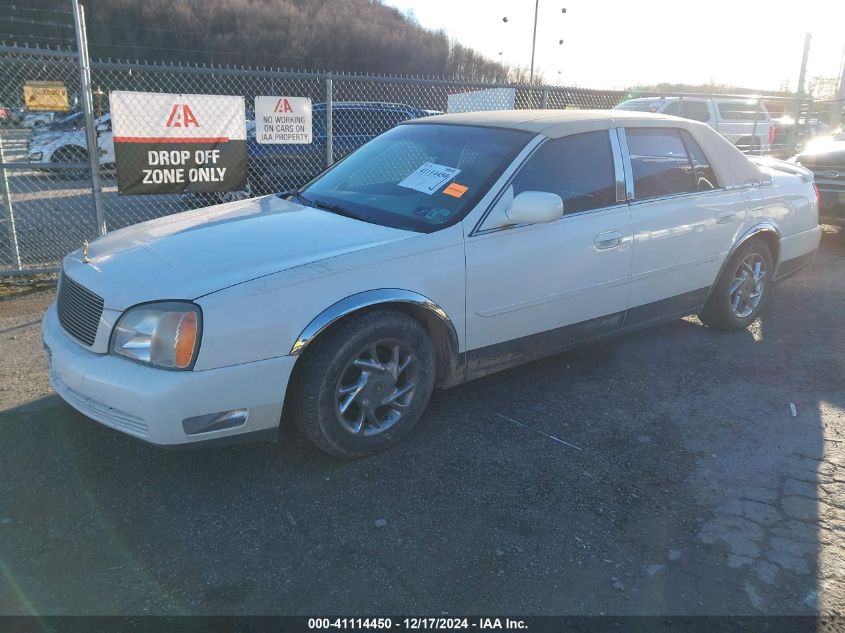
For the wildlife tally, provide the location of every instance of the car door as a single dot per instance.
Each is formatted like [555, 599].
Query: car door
[684, 223]
[534, 289]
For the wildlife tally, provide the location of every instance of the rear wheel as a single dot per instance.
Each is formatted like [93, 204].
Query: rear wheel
[365, 384]
[741, 291]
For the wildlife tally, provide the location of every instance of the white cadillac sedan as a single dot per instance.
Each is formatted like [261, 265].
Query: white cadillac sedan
[445, 249]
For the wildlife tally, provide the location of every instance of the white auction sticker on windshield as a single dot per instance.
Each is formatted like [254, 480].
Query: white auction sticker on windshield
[429, 177]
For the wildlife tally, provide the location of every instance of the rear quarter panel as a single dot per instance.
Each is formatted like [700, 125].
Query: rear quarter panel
[789, 204]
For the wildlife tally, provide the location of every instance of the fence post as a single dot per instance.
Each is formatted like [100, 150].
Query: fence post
[329, 129]
[545, 103]
[88, 110]
[10, 214]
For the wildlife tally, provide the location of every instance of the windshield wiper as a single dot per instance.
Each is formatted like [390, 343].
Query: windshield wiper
[334, 208]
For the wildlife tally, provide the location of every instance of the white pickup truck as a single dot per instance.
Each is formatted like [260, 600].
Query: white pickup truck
[744, 122]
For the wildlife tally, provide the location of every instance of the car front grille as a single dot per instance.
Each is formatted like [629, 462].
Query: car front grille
[79, 310]
[825, 178]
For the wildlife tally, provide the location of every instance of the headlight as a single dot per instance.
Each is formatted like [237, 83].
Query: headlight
[36, 156]
[165, 334]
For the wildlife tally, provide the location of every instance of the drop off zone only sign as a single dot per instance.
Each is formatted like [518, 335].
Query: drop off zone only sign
[175, 143]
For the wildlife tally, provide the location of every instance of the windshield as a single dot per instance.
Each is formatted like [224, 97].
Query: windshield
[420, 177]
[639, 105]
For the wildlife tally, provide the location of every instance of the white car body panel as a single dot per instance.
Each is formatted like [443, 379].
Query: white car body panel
[534, 278]
[51, 142]
[263, 235]
[265, 270]
[678, 243]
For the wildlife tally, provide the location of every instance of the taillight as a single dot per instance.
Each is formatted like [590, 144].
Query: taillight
[818, 195]
[771, 134]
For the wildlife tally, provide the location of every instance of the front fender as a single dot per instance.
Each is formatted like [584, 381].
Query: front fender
[368, 299]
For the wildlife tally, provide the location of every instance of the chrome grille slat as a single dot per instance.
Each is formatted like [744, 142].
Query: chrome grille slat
[79, 310]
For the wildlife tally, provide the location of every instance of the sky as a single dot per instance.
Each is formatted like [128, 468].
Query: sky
[617, 44]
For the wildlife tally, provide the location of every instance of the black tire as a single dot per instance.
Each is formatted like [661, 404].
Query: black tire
[71, 154]
[328, 367]
[719, 312]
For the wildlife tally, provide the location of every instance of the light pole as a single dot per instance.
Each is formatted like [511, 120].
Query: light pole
[534, 37]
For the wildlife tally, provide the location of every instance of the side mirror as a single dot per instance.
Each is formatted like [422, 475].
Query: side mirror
[535, 207]
[103, 127]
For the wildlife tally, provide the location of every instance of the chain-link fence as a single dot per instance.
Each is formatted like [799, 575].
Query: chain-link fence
[47, 187]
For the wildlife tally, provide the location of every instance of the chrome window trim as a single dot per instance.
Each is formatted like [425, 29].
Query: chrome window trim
[566, 216]
[629, 176]
[626, 162]
[618, 167]
[686, 194]
[538, 141]
[477, 230]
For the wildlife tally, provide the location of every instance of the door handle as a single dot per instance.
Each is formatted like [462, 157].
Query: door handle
[609, 239]
[725, 217]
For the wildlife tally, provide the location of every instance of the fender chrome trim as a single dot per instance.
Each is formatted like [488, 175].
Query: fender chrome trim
[366, 299]
[757, 229]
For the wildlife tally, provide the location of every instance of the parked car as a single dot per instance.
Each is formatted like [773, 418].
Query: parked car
[445, 249]
[16, 115]
[67, 123]
[826, 159]
[745, 123]
[56, 149]
[273, 168]
[804, 133]
[37, 119]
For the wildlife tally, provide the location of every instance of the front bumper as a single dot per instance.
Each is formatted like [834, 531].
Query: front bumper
[151, 404]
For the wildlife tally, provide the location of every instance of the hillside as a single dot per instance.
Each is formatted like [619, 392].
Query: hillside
[347, 35]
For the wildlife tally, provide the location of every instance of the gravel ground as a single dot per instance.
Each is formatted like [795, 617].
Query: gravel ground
[685, 486]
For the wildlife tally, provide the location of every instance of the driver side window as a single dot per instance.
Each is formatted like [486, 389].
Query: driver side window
[578, 168]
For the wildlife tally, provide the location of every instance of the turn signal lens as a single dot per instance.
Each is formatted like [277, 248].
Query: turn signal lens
[186, 339]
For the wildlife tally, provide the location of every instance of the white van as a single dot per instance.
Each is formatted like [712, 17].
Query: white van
[744, 122]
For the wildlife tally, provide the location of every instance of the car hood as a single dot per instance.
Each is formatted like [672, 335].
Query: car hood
[194, 253]
[825, 152]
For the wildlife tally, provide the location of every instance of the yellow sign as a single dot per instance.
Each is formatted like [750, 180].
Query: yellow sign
[45, 96]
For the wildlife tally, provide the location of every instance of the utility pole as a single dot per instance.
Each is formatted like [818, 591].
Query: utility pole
[534, 41]
[799, 93]
[839, 99]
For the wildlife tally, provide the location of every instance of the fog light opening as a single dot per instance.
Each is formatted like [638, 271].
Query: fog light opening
[211, 422]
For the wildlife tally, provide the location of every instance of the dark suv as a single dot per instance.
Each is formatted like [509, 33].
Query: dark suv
[826, 159]
[274, 168]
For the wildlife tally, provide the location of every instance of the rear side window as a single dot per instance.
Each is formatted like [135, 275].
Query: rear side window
[578, 168]
[740, 110]
[705, 179]
[660, 164]
[696, 110]
[673, 108]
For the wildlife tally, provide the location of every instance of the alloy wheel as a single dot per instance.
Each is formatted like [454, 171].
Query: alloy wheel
[748, 285]
[376, 387]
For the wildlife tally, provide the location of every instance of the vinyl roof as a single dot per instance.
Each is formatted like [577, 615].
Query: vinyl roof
[731, 166]
[553, 123]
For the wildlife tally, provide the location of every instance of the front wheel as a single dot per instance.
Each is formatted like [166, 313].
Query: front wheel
[365, 384]
[741, 291]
